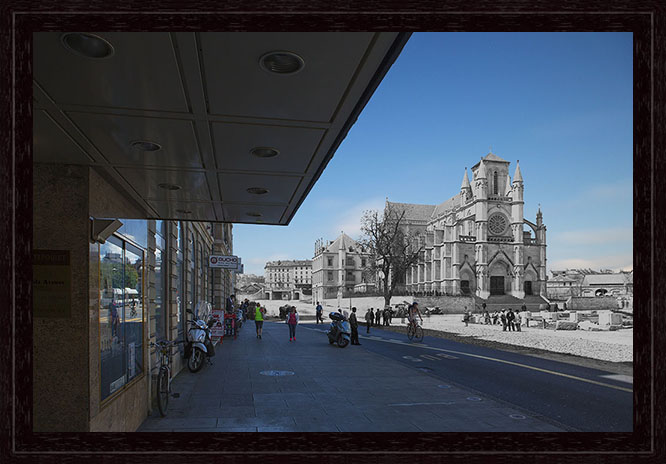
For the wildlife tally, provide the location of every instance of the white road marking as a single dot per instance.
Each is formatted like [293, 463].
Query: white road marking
[413, 359]
[511, 363]
[620, 378]
[421, 404]
[431, 358]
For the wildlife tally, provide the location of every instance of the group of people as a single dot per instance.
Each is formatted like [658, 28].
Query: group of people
[373, 317]
[245, 309]
[509, 319]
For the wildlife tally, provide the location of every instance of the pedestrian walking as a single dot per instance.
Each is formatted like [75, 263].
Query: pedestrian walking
[465, 317]
[368, 318]
[390, 313]
[386, 317]
[292, 321]
[509, 320]
[318, 313]
[495, 317]
[259, 313]
[353, 323]
[486, 317]
[503, 320]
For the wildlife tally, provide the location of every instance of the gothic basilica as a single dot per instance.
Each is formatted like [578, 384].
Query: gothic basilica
[478, 242]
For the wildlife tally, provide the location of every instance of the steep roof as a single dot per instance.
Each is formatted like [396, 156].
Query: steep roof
[413, 212]
[445, 206]
[492, 157]
[346, 241]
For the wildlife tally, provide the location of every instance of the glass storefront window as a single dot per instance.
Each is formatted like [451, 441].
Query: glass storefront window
[121, 314]
[192, 268]
[160, 275]
[180, 275]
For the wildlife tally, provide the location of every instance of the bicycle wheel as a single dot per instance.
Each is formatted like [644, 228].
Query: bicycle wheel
[410, 332]
[418, 334]
[163, 391]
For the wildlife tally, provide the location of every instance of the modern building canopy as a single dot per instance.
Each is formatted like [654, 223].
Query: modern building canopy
[232, 127]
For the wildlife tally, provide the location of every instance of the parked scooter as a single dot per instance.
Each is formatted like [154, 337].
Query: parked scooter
[199, 345]
[339, 331]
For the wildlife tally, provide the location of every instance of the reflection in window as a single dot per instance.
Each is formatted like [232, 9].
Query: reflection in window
[121, 314]
[180, 276]
[160, 313]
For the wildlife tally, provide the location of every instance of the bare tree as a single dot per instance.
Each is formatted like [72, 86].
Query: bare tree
[393, 250]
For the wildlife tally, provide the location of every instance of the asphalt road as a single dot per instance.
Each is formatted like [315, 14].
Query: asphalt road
[579, 398]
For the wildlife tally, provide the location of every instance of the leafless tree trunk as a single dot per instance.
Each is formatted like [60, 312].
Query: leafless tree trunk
[392, 249]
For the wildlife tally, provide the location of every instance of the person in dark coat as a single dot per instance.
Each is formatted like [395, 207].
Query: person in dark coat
[368, 320]
[509, 320]
[353, 322]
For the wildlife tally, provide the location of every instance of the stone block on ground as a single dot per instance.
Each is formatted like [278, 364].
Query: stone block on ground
[566, 325]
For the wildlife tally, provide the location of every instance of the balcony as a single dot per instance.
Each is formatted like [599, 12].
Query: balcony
[500, 239]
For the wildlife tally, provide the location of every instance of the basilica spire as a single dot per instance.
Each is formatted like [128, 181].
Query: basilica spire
[465, 182]
[517, 176]
[481, 173]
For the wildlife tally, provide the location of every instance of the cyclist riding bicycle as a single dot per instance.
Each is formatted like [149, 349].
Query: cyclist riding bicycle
[412, 312]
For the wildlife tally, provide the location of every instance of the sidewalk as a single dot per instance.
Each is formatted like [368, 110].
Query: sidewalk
[326, 389]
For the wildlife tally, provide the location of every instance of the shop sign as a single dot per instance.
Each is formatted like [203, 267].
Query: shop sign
[51, 283]
[224, 262]
[218, 328]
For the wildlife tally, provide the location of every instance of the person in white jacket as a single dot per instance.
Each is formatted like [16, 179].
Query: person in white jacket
[292, 321]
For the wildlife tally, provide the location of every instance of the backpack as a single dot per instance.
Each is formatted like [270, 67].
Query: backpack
[292, 318]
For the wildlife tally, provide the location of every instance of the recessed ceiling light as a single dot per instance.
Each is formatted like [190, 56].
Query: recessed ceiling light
[253, 214]
[281, 62]
[257, 190]
[145, 145]
[169, 186]
[87, 45]
[264, 152]
[184, 211]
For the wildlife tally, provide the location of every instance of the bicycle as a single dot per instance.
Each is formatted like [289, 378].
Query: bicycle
[414, 331]
[164, 375]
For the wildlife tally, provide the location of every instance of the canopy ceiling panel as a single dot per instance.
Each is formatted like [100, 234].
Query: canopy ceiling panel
[185, 123]
[257, 214]
[142, 73]
[273, 189]
[157, 184]
[117, 137]
[312, 94]
[51, 144]
[294, 147]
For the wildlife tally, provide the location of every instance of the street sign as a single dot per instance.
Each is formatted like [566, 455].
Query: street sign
[224, 262]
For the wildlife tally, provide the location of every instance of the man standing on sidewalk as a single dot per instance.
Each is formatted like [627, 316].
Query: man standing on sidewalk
[354, 327]
[368, 320]
[318, 312]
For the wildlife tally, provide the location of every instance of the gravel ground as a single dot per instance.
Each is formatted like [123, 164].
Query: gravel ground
[612, 347]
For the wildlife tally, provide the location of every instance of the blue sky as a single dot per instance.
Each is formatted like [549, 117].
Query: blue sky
[561, 103]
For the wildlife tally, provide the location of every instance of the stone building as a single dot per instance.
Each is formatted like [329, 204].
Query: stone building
[288, 280]
[478, 242]
[338, 267]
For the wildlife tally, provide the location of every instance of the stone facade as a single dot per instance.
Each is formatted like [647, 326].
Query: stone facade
[475, 242]
[338, 267]
[288, 280]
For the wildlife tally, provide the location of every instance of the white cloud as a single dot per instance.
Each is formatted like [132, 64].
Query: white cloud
[616, 263]
[349, 221]
[595, 236]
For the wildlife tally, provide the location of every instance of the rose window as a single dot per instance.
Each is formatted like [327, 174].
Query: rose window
[497, 224]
